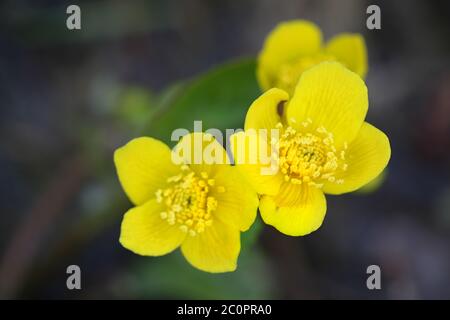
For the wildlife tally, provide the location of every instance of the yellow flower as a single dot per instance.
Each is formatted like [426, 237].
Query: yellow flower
[324, 146]
[295, 46]
[198, 206]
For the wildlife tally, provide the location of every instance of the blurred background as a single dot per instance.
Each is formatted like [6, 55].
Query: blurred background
[69, 98]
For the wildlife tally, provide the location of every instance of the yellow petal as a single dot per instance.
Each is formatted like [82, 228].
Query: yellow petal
[290, 195]
[366, 157]
[331, 96]
[287, 42]
[251, 154]
[264, 113]
[214, 250]
[349, 49]
[145, 233]
[201, 151]
[143, 166]
[303, 218]
[373, 185]
[238, 203]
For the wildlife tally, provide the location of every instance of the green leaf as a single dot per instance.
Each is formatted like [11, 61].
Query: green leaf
[219, 98]
[251, 236]
[171, 277]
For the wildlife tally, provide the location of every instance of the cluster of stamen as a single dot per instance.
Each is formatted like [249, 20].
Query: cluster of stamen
[188, 201]
[308, 156]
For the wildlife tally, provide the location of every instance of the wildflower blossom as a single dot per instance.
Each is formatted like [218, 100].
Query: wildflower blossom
[324, 146]
[198, 206]
[295, 46]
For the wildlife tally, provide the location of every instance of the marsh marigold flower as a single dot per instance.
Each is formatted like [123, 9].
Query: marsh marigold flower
[199, 207]
[323, 146]
[295, 46]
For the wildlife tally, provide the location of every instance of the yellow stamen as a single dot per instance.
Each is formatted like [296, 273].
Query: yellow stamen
[309, 157]
[188, 201]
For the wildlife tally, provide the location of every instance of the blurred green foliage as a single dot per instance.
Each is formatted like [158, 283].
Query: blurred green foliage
[135, 106]
[219, 98]
[172, 277]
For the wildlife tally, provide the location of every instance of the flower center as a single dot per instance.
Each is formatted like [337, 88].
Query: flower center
[188, 201]
[309, 156]
[289, 73]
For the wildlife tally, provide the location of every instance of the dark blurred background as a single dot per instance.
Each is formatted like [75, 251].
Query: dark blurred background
[69, 98]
